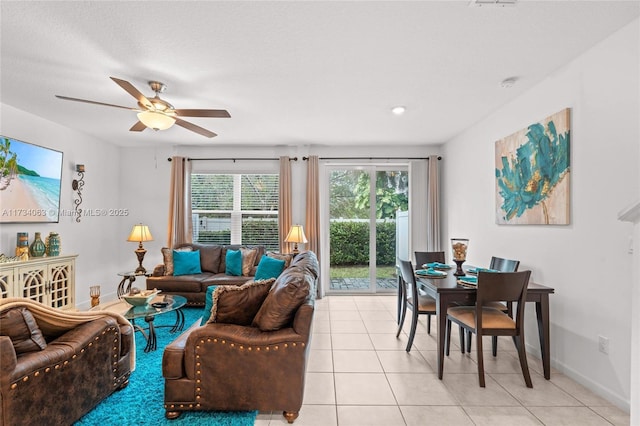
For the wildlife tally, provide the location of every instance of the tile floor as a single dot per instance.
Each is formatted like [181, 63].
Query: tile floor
[360, 374]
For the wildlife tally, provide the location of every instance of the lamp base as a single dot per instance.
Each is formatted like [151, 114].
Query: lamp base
[140, 252]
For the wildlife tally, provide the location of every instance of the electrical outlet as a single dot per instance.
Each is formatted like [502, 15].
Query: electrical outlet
[603, 344]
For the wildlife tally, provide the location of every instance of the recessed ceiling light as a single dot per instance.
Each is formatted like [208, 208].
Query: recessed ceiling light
[398, 110]
[508, 83]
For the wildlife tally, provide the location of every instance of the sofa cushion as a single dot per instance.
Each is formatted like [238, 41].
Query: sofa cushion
[248, 260]
[208, 304]
[224, 279]
[239, 304]
[210, 257]
[289, 291]
[186, 262]
[287, 257]
[233, 263]
[269, 267]
[308, 261]
[167, 258]
[180, 284]
[261, 251]
[22, 328]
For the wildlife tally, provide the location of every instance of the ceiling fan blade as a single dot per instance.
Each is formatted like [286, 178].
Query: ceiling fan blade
[142, 99]
[220, 113]
[190, 126]
[66, 98]
[138, 127]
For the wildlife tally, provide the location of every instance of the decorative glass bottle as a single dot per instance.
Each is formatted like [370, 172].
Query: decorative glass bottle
[53, 244]
[22, 245]
[37, 247]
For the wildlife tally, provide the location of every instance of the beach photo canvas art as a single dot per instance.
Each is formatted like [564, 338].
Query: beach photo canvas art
[532, 173]
[30, 178]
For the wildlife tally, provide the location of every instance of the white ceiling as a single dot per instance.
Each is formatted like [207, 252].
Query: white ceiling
[291, 73]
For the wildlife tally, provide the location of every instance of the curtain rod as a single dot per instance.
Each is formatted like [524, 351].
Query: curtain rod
[235, 159]
[371, 158]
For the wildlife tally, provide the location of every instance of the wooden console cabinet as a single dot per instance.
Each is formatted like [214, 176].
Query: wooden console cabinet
[49, 280]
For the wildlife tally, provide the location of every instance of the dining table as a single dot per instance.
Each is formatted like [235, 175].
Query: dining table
[447, 290]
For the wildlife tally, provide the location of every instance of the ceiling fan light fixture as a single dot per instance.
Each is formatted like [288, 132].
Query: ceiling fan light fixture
[156, 120]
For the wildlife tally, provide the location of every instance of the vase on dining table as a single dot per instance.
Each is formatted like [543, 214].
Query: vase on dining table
[459, 247]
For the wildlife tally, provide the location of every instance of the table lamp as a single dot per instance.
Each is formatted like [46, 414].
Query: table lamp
[140, 233]
[296, 235]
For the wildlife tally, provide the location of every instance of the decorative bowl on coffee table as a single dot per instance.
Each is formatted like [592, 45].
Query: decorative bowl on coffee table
[142, 298]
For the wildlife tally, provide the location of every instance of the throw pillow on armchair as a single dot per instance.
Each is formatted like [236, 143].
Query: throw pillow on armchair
[238, 304]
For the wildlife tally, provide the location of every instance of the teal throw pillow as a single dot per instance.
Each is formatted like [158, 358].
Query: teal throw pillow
[208, 304]
[186, 262]
[233, 263]
[269, 267]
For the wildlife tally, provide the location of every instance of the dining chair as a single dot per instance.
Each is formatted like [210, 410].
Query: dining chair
[419, 304]
[423, 257]
[502, 265]
[483, 320]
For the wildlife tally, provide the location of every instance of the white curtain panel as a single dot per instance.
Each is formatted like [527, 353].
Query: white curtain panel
[418, 229]
[433, 204]
[312, 215]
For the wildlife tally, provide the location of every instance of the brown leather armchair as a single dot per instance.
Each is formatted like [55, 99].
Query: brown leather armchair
[251, 366]
[56, 366]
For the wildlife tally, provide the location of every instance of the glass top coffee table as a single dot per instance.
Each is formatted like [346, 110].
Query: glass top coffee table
[159, 305]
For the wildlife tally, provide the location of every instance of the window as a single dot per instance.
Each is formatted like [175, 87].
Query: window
[235, 209]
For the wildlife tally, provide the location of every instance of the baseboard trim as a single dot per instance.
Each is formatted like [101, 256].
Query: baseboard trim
[614, 398]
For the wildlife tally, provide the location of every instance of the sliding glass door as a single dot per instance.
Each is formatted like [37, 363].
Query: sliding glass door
[363, 204]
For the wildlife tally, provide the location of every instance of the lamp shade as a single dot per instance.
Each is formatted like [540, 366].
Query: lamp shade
[140, 233]
[156, 120]
[296, 235]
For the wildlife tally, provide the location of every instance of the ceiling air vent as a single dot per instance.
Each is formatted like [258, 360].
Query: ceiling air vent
[492, 3]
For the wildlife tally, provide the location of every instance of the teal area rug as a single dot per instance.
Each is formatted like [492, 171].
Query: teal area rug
[142, 401]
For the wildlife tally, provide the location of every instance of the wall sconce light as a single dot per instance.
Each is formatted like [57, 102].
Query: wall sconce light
[77, 185]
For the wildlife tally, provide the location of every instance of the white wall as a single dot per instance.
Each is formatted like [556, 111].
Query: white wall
[587, 262]
[94, 239]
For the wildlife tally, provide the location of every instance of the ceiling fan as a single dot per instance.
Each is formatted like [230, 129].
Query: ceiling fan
[156, 113]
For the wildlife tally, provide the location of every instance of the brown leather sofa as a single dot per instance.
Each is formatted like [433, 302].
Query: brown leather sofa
[259, 365]
[194, 286]
[55, 366]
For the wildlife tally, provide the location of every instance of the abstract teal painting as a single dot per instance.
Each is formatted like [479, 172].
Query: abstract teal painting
[532, 173]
